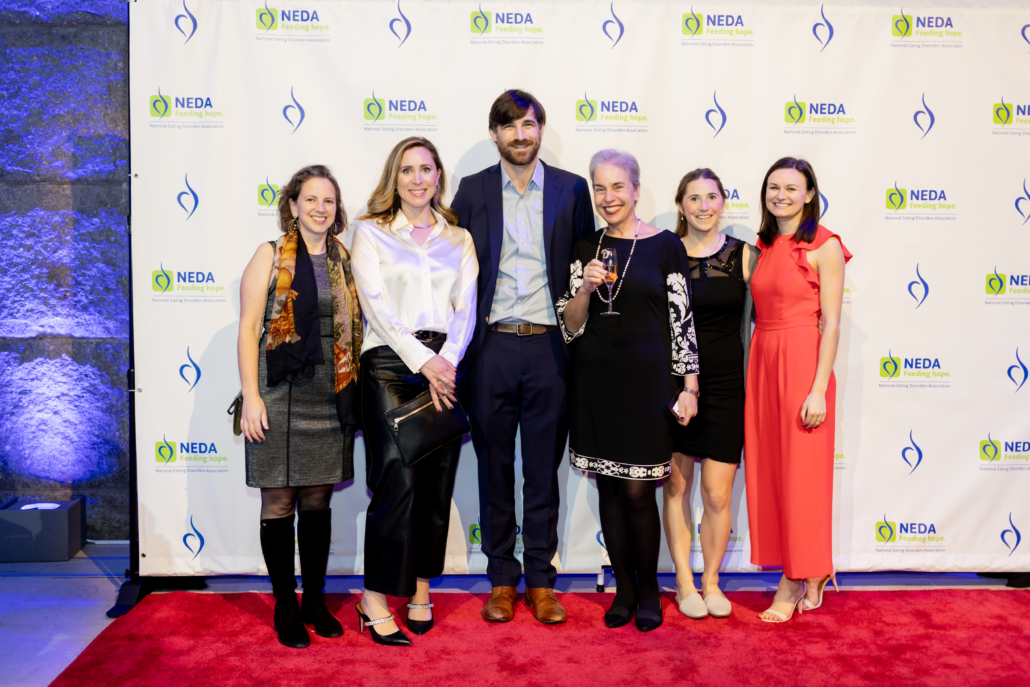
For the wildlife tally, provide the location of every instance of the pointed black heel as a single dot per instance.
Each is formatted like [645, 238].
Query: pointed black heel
[420, 627]
[398, 638]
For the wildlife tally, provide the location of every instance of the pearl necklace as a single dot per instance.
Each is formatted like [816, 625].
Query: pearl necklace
[622, 278]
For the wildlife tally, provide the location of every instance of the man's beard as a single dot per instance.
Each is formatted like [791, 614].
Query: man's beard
[517, 155]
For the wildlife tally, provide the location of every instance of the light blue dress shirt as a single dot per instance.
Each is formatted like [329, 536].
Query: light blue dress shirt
[522, 293]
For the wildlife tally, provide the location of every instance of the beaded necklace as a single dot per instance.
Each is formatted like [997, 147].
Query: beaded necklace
[624, 269]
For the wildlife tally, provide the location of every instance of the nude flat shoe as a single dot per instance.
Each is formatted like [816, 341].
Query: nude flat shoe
[692, 606]
[718, 605]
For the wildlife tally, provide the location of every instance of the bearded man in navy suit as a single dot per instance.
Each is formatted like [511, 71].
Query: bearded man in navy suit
[524, 217]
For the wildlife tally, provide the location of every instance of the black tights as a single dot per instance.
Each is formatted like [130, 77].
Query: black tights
[279, 502]
[632, 534]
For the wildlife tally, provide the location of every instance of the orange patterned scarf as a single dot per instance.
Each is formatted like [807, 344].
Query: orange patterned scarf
[346, 315]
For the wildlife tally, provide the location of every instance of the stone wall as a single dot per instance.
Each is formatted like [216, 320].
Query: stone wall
[64, 279]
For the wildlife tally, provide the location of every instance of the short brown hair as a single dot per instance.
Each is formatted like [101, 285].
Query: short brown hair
[809, 226]
[700, 173]
[512, 105]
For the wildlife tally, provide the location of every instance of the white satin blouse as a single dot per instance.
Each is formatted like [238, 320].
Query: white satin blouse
[404, 287]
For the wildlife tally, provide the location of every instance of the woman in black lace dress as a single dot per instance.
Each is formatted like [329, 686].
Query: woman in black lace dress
[720, 269]
[629, 372]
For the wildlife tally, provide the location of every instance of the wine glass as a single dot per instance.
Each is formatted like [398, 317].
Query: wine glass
[611, 263]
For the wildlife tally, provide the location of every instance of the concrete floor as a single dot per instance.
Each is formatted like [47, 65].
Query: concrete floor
[50, 612]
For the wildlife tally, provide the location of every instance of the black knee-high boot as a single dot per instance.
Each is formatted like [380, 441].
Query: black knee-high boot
[313, 534]
[277, 547]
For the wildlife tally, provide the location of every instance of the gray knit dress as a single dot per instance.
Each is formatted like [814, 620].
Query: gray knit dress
[304, 445]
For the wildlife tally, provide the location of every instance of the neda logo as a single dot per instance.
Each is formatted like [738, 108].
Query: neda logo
[997, 283]
[992, 450]
[267, 18]
[906, 25]
[161, 280]
[164, 452]
[267, 195]
[886, 531]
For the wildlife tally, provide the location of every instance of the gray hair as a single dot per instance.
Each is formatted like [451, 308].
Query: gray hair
[616, 158]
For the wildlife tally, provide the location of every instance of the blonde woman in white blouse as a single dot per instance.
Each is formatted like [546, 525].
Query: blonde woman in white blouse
[415, 271]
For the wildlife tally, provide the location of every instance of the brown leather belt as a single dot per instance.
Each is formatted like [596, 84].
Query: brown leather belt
[522, 328]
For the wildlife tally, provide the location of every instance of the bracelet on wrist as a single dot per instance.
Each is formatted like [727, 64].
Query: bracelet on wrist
[693, 392]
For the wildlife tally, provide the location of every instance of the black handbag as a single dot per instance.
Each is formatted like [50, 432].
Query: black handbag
[419, 429]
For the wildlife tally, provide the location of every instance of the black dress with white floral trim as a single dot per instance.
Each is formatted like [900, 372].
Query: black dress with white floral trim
[627, 369]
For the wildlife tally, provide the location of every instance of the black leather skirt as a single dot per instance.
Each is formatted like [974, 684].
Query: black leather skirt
[406, 522]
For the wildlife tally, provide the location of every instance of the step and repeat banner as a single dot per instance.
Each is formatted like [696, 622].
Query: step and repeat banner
[917, 120]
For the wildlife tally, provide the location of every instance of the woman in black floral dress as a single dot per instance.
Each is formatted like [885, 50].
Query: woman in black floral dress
[634, 376]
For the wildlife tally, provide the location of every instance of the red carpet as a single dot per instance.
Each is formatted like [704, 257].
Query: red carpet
[948, 637]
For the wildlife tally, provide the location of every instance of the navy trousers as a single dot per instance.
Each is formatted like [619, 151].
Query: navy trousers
[519, 383]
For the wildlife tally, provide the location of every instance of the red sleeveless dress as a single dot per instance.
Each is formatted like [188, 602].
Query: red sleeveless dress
[788, 469]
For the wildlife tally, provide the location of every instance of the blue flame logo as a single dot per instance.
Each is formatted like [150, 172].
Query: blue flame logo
[692, 23]
[588, 114]
[296, 106]
[377, 104]
[163, 280]
[919, 282]
[485, 21]
[990, 449]
[165, 109]
[200, 540]
[1003, 113]
[1021, 199]
[188, 192]
[795, 111]
[600, 540]
[404, 20]
[268, 194]
[614, 21]
[716, 110]
[1023, 33]
[166, 451]
[902, 22]
[916, 450]
[266, 18]
[884, 530]
[896, 197]
[825, 204]
[829, 30]
[890, 366]
[1015, 534]
[196, 369]
[188, 15]
[927, 112]
[1019, 366]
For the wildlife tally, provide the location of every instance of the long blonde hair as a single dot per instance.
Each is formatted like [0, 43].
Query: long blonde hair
[385, 202]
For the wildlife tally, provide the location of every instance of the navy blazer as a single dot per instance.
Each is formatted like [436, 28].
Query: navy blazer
[568, 217]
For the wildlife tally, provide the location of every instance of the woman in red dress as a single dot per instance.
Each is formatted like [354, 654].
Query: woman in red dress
[791, 392]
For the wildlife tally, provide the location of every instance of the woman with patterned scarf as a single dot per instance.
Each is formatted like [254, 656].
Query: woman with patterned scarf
[300, 398]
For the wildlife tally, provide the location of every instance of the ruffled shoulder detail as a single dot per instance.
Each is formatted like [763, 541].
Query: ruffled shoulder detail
[798, 251]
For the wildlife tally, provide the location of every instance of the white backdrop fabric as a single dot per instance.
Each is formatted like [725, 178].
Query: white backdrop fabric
[916, 120]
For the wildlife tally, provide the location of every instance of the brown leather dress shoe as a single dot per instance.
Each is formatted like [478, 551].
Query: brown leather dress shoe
[545, 605]
[501, 606]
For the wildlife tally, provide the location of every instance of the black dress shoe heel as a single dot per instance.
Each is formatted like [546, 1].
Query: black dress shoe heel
[314, 612]
[398, 638]
[649, 614]
[420, 627]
